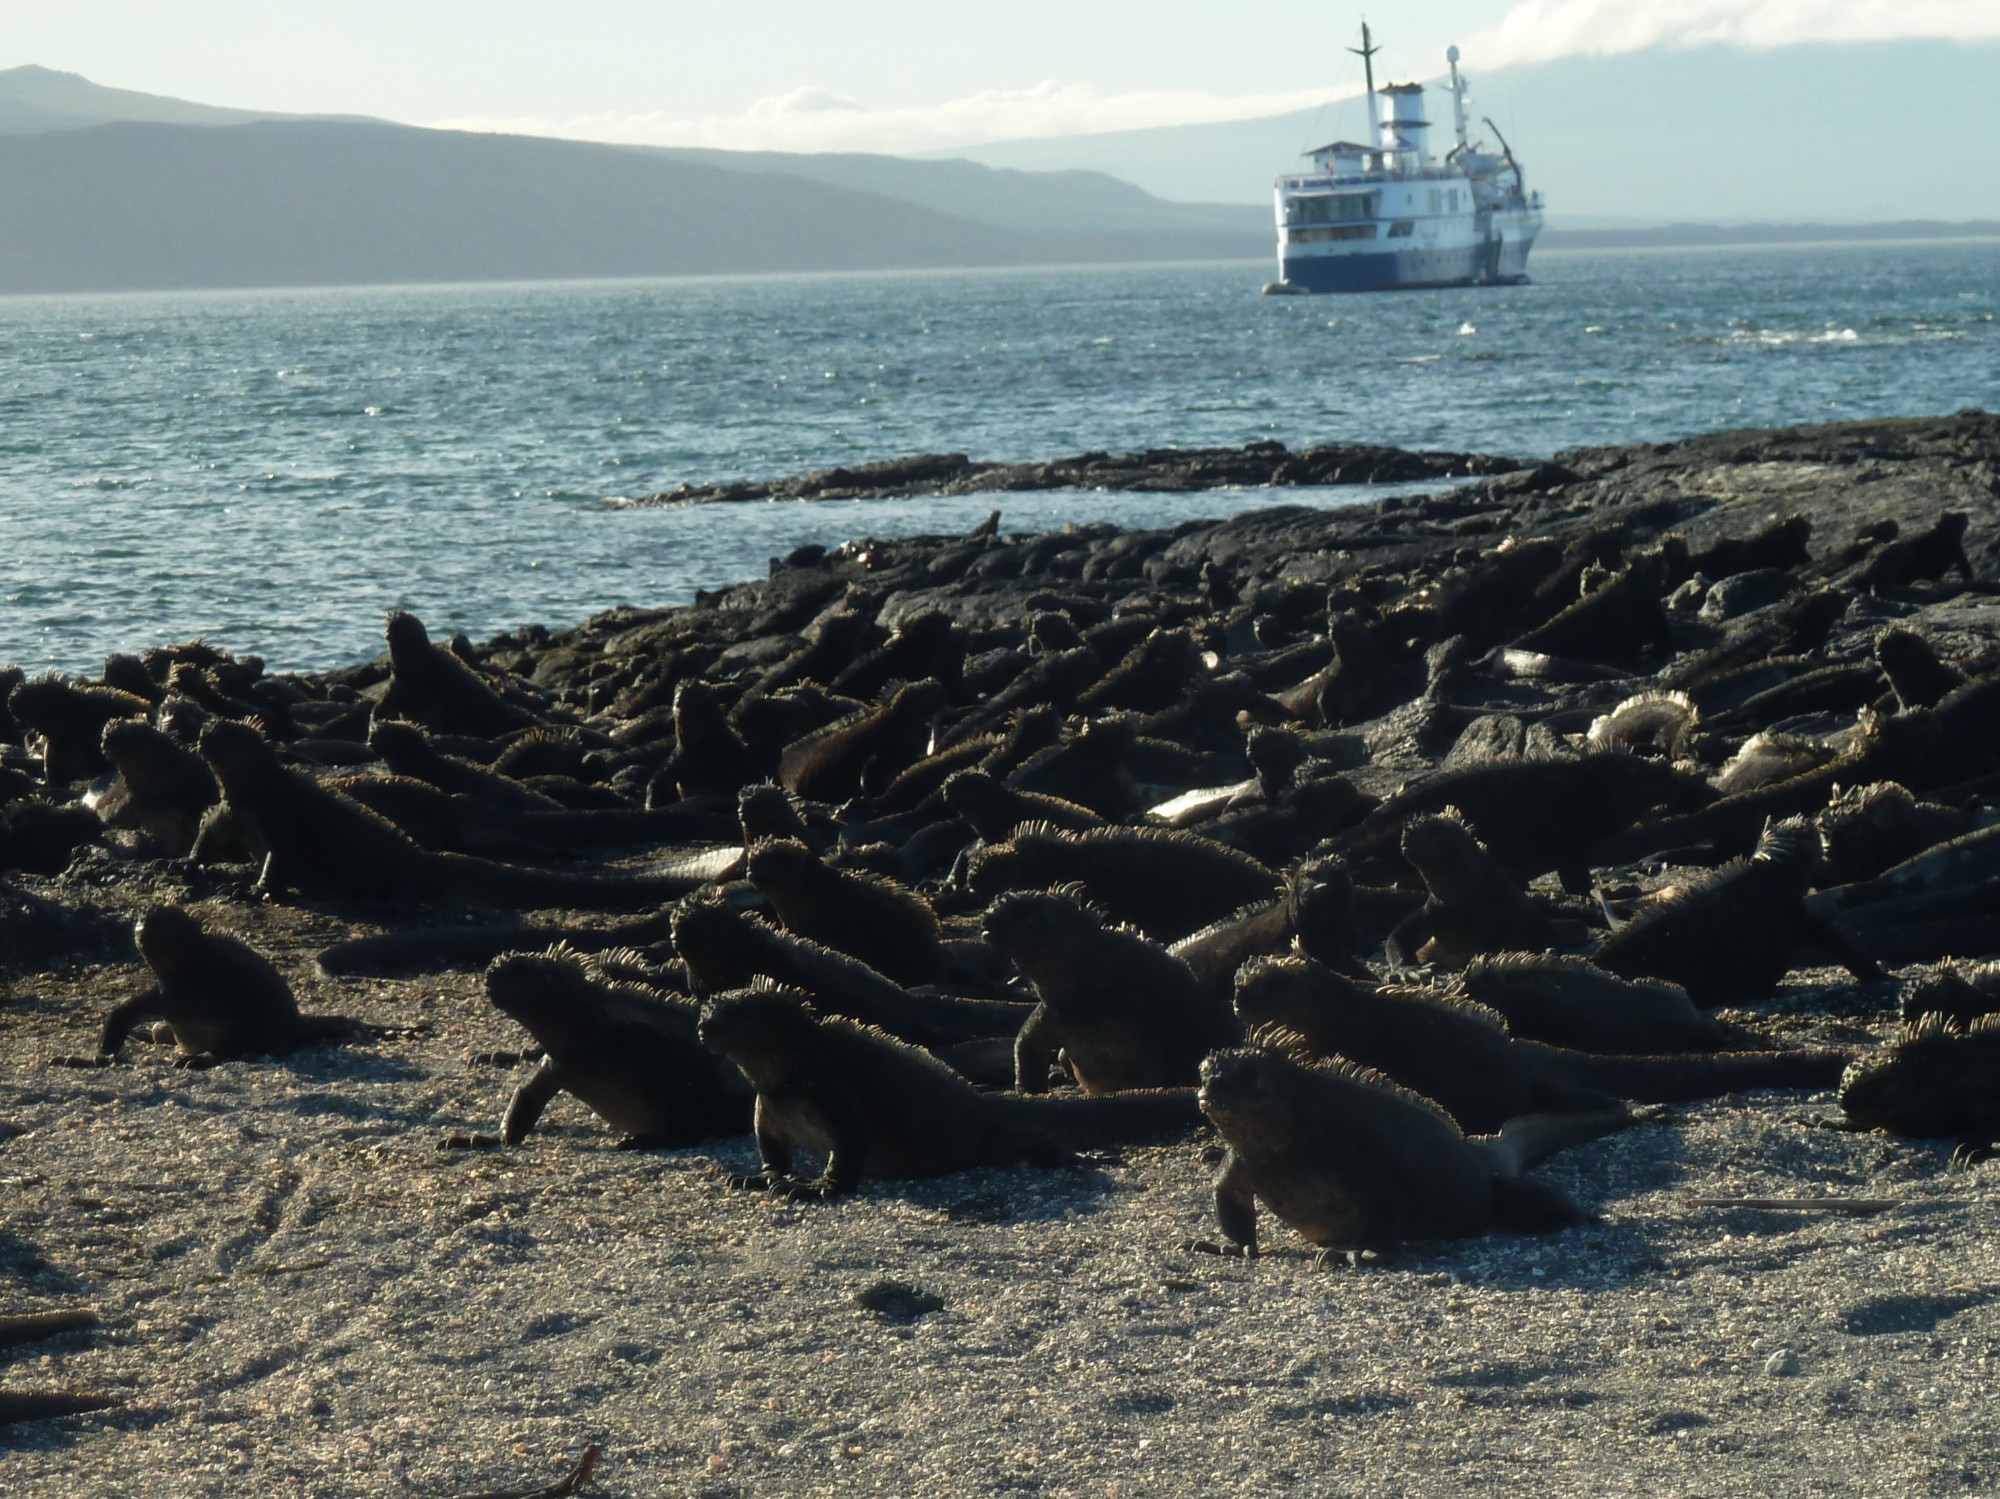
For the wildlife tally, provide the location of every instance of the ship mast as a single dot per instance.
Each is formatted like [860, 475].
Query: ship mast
[1366, 52]
[1457, 94]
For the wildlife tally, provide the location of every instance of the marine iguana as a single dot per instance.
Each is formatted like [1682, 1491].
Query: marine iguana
[1321, 896]
[834, 642]
[1944, 903]
[1124, 1012]
[42, 838]
[1050, 631]
[918, 789]
[1780, 544]
[1662, 724]
[1960, 992]
[1210, 716]
[1916, 675]
[1312, 916]
[163, 788]
[1922, 558]
[1569, 1001]
[709, 755]
[1795, 627]
[431, 686]
[1299, 819]
[437, 819]
[1219, 949]
[407, 751]
[1510, 589]
[1732, 936]
[1154, 675]
[874, 1106]
[1615, 623]
[1365, 679]
[1840, 687]
[727, 949]
[892, 930]
[1868, 830]
[466, 946]
[200, 686]
[1354, 1162]
[317, 842]
[1882, 748]
[548, 752]
[996, 809]
[631, 1054]
[929, 644]
[128, 673]
[1474, 908]
[1053, 681]
[1091, 768]
[1166, 882]
[70, 717]
[1459, 1055]
[827, 765]
[219, 997]
[1534, 816]
[1936, 1082]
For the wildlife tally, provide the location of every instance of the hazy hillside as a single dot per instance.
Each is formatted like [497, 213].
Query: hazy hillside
[1885, 131]
[1063, 201]
[290, 203]
[34, 99]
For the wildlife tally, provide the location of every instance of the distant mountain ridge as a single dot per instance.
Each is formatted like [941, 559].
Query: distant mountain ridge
[111, 190]
[36, 100]
[1061, 200]
[130, 207]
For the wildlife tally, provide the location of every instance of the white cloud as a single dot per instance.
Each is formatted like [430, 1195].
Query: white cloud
[1540, 30]
[819, 120]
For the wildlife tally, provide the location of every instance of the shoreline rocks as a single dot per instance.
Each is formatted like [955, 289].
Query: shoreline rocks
[284, 1246]
[1174, 470]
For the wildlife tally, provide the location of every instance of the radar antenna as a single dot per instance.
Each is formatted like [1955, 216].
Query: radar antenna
[1457, 97]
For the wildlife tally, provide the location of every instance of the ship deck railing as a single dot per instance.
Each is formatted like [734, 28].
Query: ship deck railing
[1324, 179]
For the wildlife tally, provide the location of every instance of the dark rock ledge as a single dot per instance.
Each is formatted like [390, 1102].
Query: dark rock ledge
[1173, 470]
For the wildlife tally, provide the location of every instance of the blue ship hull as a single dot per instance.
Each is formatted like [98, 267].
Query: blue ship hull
[1461, 265]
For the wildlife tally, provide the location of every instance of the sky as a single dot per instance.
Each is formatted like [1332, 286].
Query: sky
[875, 75]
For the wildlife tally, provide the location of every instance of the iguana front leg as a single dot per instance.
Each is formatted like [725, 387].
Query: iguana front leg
[529, 1100]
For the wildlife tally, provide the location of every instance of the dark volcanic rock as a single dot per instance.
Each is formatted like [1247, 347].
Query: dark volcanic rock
[1171, 469]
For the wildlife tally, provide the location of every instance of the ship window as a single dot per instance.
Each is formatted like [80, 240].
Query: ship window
[1345, 206]
[1454, 200]
[1437, 198]
[1402, 228]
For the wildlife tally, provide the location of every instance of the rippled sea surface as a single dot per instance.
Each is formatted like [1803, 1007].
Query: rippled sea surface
[276, 470]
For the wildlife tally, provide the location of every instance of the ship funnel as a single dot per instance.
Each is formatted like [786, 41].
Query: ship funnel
[1404, 127]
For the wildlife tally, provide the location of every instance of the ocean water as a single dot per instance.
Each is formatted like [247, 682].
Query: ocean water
[276, 470]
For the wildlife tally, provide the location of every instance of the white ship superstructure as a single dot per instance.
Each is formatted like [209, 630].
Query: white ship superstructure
[1384, 214]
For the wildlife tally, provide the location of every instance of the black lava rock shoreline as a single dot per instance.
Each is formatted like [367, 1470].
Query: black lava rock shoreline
[1841, 476]
[320, 1272]
[1168, 470]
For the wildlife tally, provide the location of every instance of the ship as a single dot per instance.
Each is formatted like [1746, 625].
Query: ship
[1387, 214]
